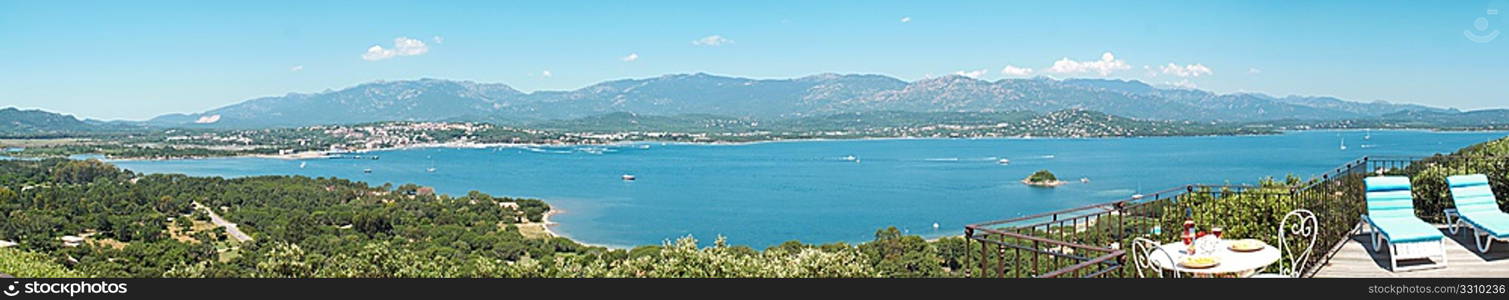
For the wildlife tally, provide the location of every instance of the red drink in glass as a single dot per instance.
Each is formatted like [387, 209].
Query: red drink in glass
[1189, 243]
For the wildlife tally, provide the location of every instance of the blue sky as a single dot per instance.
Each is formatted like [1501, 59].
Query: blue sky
[127, 60]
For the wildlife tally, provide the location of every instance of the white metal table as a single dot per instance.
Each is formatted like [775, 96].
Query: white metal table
[1232, 263]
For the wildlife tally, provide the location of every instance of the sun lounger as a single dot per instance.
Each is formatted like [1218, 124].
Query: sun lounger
[1476, 207]
[1391, 215]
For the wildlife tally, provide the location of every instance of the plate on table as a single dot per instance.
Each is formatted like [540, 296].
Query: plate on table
[1199, 262]
[1246, 245]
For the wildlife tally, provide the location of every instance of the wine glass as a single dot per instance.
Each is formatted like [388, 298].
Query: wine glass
[1189, 243]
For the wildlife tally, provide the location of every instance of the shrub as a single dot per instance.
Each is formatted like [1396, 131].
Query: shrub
[32, 265]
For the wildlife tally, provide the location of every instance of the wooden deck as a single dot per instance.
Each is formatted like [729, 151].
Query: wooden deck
[1356, 259]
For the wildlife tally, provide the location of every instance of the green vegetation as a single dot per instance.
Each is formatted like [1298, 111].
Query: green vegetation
[136, 225]
[32, 265]
[1042, 176]
[1428, 176]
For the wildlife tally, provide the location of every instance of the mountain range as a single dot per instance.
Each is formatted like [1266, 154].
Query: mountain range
[705, 101]
[37, 122]
[33, 123]
[824, 94]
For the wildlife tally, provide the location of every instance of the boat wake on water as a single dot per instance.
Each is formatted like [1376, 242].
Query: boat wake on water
[1114, 193]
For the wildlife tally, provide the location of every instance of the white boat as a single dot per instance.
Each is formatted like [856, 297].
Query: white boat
[1084, 180]
[431, 170]
[366, 170]
[935, 226]
[851, 158]
[1004, 161]
[302, 164]
[1343, 143]
[628, 177]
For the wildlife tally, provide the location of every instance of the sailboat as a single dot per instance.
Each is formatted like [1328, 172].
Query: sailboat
[1343, 143]
[1369, 135]
[302, 164]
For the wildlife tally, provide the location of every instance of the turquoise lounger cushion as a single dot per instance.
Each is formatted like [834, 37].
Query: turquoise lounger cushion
[1389, 197]
[1476, 204]
[1405, 230]
[1391, 210]
[1496, 225]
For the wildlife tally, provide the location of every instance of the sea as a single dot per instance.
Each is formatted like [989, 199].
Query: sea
[823, 191]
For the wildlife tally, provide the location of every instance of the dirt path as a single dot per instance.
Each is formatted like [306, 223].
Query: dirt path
[230, 228]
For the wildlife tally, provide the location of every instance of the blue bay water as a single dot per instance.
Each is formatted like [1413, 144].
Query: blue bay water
[766, 193]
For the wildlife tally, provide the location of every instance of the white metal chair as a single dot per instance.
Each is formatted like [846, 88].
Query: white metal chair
[1143, 250]
[1302, 225]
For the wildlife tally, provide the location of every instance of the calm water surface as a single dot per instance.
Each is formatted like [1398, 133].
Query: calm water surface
[763, 194]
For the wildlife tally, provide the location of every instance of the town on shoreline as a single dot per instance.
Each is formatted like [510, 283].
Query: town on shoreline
[331, 140]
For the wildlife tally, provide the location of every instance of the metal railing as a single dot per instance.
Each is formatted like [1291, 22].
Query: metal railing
[1087, 241]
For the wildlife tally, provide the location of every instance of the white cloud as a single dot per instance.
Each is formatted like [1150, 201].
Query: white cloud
[1105, 66]
[438, 39]
[546, 73]
[631, 57]
[906, 19]
[296, 68]
[207, 119]
[402, 46]
[972, 74]
[712, 41]
[1195, 70]
[1254, 71]
[1016, 71]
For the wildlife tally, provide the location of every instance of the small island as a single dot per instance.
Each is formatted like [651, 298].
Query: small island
[1042, 178]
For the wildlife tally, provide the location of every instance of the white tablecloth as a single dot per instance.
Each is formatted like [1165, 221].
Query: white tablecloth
[1232, 262]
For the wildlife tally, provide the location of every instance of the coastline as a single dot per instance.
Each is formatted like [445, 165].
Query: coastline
[475, 145]
[548, 227]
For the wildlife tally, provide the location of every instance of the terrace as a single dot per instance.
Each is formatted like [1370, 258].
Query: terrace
[1092, 241]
